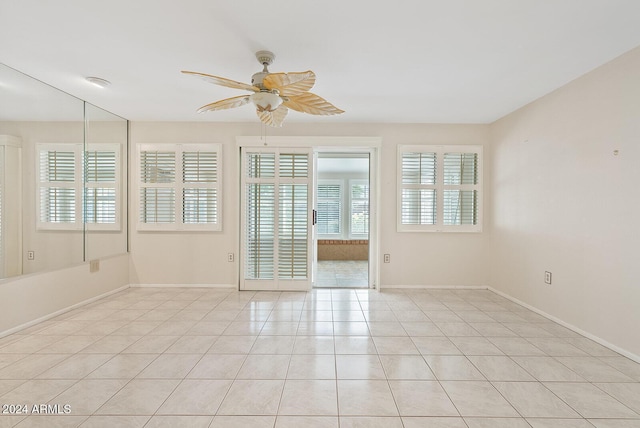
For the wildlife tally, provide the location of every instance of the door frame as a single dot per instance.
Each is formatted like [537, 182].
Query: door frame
[371, 145]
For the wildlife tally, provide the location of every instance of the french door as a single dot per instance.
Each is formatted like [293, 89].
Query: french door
[276, 208]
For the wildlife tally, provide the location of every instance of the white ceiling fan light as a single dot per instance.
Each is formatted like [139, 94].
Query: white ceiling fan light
[273, 93]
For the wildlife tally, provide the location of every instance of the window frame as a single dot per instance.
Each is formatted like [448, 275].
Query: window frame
[440, 187]
[79, 185]
[178, 186]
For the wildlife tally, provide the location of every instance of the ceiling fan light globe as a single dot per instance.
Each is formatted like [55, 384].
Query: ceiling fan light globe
[266, 101]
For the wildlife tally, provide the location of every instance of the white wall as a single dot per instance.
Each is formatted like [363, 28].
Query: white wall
[27, 298]
[562, 201]
[201, 258]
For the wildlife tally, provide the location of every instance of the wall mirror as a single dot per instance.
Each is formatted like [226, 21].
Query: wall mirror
[62, 178]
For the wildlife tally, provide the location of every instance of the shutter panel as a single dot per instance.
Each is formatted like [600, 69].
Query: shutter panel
[100, 205]
[57, 191]
[260, 206]
[158, 166]
[200, 196]
[419, 168]
[292, 231]
[261, 165]
[158, 205]
[418, 206]
[329, 201]
[460, 207]
[294, 165]
[100, 169]
[157, 194]
[359, 209]
[460, 168]
[199, 206]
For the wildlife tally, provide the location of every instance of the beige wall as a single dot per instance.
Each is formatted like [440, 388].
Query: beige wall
[28, 298]
[562, 201]
[201, 258]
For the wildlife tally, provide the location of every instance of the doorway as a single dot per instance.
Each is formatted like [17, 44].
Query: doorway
[278, 213]
[341, 237]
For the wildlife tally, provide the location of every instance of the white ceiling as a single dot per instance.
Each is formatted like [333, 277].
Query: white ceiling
[406, 61]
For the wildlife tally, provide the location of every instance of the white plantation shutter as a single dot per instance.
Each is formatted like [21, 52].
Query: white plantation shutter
[200, 193]
[359, 204]
[57, 168]
[276, 227]
[460, 197]
[157, 187]
[439, 188]
[179, 187]
[329, 202]
[102, 170]
[77, 186]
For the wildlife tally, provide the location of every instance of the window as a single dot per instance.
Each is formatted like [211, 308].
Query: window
[179, 187]
[77, 186]
[439, 188]
[343, 209]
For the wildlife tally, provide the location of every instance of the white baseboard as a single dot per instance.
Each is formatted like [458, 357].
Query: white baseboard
[224, 286]
[595, 338]
[61, 311]
[436, 287]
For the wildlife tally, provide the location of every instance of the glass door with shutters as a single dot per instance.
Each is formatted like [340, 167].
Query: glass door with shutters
[276, 202]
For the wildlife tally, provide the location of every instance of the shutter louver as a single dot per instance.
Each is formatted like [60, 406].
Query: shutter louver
[100, 167]
[100, 205]
[419, 168]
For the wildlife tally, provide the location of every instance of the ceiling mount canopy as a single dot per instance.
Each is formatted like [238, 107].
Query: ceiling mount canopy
[273, 93]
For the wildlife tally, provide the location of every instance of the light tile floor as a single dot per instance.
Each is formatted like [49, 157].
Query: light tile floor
[342, 274]
[184, 357]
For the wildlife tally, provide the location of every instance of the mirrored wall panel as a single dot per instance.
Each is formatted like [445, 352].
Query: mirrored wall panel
[62, 178]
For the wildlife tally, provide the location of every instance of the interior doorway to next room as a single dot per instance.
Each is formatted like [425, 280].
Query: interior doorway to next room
[342, 228]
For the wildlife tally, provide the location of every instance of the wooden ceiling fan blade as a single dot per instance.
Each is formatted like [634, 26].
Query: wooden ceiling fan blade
[223, 81]
[273, 118]
[312, 104]
[227, 103]
[290, 84]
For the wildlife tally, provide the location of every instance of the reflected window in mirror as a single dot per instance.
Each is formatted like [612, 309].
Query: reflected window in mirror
[77, 186]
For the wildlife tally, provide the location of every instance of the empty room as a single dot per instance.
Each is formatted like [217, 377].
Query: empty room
[333, 214]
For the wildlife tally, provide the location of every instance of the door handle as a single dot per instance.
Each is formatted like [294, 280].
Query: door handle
[314, 218]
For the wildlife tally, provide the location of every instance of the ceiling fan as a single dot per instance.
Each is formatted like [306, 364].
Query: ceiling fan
[273, 93]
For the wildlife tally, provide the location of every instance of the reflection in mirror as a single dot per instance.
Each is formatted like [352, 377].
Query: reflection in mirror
[44, 202]
[105, 194]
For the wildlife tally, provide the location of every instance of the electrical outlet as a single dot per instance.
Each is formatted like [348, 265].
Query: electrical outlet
[231, 257]
[94, 266]
[547, 277]
[387, 258]
[31, 255]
